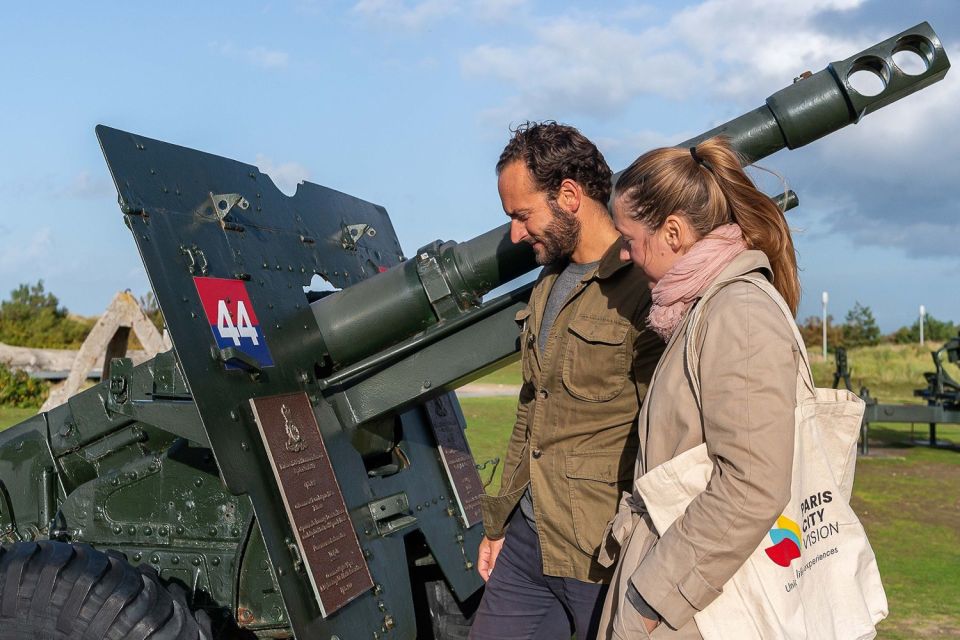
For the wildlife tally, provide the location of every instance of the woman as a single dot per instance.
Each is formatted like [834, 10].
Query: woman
[691, 219]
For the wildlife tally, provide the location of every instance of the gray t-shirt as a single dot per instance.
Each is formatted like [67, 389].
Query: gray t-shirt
[562, 287]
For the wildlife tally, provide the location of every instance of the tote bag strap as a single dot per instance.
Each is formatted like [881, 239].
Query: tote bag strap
[694, 318]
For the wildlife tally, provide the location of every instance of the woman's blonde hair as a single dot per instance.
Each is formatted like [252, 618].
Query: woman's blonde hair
[708, 185]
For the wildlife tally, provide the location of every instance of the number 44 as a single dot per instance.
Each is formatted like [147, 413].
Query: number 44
[243, 329]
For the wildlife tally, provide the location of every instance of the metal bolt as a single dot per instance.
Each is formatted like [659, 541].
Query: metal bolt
[132, 530]
[118, 529]
[154, 558]
[198, 482]
[377, 589]
[215, 561]
[234, 416]
[175, 560]
[148, 530]
[196, 562]
[163, 531]
[180, 529]
[137, 556]
[388, 621]
[212, 531]
[381, 606]
[245, 446]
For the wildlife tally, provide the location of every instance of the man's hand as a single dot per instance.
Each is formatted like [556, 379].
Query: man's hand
[487, 556]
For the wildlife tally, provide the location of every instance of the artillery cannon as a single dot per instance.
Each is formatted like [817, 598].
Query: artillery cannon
[297, 464]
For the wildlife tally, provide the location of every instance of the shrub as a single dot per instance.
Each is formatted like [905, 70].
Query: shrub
[860, 328]
[17, 389]
[33, 317]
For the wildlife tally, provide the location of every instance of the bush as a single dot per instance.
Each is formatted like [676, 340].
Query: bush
[933, 329]
[860, 328]
[17, 389]
[812, 331]
[33, 317]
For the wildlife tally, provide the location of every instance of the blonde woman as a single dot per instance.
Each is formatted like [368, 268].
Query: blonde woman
[691, 218]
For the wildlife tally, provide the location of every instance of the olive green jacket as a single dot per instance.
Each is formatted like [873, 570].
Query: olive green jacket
[575, 441]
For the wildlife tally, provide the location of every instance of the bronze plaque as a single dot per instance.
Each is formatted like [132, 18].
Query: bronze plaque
[328, 543]
[457, 459]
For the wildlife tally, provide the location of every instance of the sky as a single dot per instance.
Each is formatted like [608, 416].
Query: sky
[408, 104]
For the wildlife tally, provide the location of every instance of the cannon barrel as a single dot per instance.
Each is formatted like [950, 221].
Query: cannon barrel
[444, 279]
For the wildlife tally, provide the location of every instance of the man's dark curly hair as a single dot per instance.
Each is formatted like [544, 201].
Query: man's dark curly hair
[554, 152]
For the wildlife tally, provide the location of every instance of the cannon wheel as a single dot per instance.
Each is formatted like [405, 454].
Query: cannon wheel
[58, 591]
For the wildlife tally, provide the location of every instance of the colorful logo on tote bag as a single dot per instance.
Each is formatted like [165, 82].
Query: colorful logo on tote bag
[786, 542]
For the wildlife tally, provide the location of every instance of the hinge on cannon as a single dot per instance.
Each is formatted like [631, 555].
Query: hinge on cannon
[390, 514]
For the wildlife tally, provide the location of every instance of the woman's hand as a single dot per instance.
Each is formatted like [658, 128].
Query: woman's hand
[650, 624]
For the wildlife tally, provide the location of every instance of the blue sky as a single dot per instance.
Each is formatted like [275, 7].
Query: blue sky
[407, 103]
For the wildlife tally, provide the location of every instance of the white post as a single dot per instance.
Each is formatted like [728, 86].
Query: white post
[923, 313]
[824, 298]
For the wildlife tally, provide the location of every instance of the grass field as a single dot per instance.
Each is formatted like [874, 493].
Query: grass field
[907, 496]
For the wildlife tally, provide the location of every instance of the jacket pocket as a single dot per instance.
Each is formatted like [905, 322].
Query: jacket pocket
[595, 364]
[596, 480]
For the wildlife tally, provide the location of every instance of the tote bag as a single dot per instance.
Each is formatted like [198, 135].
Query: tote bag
[814, 576]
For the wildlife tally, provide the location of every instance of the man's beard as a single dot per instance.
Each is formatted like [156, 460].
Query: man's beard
[560, 237]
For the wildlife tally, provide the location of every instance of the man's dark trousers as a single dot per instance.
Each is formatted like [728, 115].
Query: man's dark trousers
[520, 603]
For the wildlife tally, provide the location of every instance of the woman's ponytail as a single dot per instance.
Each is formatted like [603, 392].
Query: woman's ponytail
[763, 223]
[708, 184]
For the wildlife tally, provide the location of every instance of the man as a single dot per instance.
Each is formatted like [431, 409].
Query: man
[584, 349]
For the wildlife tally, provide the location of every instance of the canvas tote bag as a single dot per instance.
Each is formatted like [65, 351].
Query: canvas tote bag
[814, 576]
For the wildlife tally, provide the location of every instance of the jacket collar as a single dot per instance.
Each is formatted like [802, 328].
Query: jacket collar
[746, 262]
[609, 264]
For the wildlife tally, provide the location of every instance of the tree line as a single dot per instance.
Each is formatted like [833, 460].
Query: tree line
[859, 329]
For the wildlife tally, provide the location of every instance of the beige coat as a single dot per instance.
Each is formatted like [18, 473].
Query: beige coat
[748, 371]
[574, 442]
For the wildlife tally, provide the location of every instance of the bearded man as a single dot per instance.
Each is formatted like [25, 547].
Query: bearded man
[586, 356]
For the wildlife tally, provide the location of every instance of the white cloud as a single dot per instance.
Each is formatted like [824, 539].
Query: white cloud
[263, 57]
[591, 64]
[410, 15]
[499, 10]
[85, 185]
[286, 175]
[586, 67]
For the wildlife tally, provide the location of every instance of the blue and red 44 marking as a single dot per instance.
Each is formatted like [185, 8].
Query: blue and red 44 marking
[232, 318]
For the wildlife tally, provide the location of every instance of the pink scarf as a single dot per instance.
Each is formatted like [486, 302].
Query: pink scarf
[689, 276]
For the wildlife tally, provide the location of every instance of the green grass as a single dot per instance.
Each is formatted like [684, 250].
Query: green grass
[907, 496]
[10, 416]
[890, 371]
[509, 374]
[489, 422]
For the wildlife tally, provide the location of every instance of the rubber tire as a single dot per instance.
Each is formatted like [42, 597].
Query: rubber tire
[449, 619]
[58, 591]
